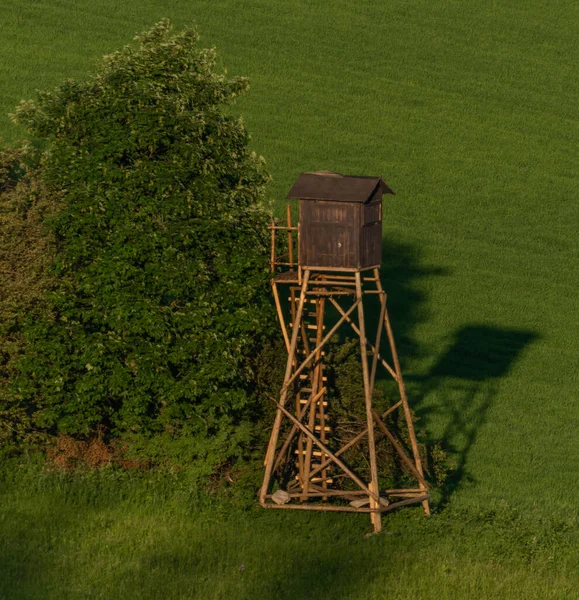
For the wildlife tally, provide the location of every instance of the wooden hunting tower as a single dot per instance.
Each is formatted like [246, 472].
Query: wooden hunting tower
[340, 220]
[311, 457]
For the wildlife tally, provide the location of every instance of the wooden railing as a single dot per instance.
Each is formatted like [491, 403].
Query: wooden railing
[290, 258]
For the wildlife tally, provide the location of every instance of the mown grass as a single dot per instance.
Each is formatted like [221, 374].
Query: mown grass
[127, 536]
[469, 111]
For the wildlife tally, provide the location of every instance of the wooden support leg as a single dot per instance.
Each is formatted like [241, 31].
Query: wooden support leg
[374, 503]
[280, 315]
[406, 407]
[378, 338]
[305, 456]
[298, 406]
[284, 392]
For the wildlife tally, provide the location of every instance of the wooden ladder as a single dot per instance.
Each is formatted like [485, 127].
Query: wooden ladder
[311, 400]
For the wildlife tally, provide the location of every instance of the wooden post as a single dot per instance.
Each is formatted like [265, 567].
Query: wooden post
[290, 245]
[357, 331]
[280, 314]
[406, 407]
[378, 335]
[300, 274]
[272, 255]
[374, 504]
[283, 396]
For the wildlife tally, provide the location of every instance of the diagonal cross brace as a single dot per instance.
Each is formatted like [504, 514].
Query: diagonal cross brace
[353, 441]
[312, 400]
[311, 355]
[327, 451]
[345, 316]
[399, 449]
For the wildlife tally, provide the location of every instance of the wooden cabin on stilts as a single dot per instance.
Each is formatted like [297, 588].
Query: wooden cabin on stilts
[329, 268]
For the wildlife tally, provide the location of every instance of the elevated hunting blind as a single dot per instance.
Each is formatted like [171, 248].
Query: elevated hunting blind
[340, 220]
[311, 461]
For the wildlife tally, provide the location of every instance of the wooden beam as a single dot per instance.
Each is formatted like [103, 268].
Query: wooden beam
[312, 354]
[404, 398]
[283, 396]
[375, 499]
[322, 507]
[400, 451]
[280, 315]
[294, 428]
[327, 451]
[372, 348]
[354, 440]
[377, 343]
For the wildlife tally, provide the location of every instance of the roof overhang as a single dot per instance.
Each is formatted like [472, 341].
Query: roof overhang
[334, 187]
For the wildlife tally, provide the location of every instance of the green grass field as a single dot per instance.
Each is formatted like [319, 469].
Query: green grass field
[469, 111]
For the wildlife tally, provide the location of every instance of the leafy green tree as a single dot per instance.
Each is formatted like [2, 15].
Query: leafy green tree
[26, 249]
[160, 302]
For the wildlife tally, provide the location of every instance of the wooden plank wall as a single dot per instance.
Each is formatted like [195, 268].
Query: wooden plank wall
[330, 234]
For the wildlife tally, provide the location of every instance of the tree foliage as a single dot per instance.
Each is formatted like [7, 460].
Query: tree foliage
[26, 250]
[159, 300]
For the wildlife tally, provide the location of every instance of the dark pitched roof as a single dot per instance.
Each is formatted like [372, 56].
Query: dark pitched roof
[324, 185]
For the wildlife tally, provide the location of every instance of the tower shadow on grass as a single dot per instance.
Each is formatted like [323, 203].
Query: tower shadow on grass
[402, 274]
[467, 379]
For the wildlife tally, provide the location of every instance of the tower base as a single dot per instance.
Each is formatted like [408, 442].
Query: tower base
[301, 441]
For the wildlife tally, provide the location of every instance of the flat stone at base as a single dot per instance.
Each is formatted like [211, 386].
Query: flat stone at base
[281, 497]
[360, 502]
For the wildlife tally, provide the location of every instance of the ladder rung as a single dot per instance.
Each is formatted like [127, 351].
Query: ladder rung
[308, 326]
[297, 299]
[305, 401]
[319, 428]
[314, 453]
[316, 479]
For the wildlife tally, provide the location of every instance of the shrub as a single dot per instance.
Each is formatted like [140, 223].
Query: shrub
[348, 418]
[26, 249]
[158, 301]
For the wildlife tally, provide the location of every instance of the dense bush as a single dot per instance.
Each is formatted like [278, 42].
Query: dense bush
[158, 303]
[26, 249]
